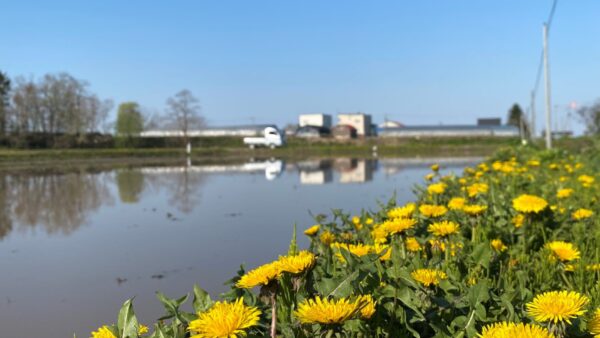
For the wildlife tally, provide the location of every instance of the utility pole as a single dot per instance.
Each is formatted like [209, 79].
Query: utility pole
[547, 90]
[532, 136]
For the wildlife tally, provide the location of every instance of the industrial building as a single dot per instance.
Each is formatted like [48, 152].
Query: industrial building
[451, 131]
[359, 121]
[314, 120]
[242, 131]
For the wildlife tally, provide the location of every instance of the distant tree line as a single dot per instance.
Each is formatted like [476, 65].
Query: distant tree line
[60, 104]
[54, 104]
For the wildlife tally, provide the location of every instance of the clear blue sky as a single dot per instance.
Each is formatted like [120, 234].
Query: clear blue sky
[419, 62]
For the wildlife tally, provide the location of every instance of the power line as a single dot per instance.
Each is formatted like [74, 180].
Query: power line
[538, 76]
[541, 62]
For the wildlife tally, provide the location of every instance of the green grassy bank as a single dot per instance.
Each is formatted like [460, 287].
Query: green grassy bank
[224, 148]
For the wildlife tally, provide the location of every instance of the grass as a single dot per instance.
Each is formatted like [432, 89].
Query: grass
[296, 148]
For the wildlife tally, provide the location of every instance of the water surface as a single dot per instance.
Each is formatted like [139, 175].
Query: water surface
[76, 243]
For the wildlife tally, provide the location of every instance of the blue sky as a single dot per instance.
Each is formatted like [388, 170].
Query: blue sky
[419, 62]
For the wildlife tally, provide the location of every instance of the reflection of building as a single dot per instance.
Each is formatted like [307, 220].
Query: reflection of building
[315, 120]
[355, 171]
[359, 121]
[316, 176]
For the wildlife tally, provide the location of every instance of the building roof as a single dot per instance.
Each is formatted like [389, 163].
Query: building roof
[451, 127]
[239, 127]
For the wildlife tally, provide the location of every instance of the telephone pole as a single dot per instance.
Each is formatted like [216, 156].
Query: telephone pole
[532, 136]
[547, 90]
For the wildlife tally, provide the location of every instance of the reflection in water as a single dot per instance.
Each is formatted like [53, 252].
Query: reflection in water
[182, 184]
[59, 203]
[131, 184]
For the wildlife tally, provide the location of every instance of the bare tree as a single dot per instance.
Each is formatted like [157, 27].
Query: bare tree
[4, 101]
[56, 104]
[590, 116]
[184, 110]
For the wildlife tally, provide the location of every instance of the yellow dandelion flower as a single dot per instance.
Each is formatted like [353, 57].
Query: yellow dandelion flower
[355, 219]
[224, 319]
[327, 237]
[428, 277]
[437, 244]
[564, 251]
[398, 225]
[103, 332]
[142, 329]
[529, 204]
[412, 244]
[514, 330]
[380, 248]
[456, 203]
[369, 221]
[436, 188]
[586, 180]
[593, 267]
[402, 212]
[327, 311]
[443, 228]
[368, 309]
[355, 249]
[262, 275]
[435, 167]
[474, 209]
[462, 181]
[593, 324]
[312, 230]
[477, 189]
[429, 176]
[295, 264]
[347, 236]
[431, 210]
[533, 163]
[564, 193]
[498, 245]
[582, 213]
[379, 234]
[518, 220]
[557, 306]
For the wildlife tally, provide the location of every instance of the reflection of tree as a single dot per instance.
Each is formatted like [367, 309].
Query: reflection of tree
[183, 186]
[5, 220]
[58, 202]
[130, 184]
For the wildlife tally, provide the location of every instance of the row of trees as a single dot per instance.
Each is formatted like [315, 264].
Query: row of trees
[56, 103]
[62, 104]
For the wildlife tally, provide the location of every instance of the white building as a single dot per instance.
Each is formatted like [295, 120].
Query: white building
[315, 120]
[361, 122]
[391, 124]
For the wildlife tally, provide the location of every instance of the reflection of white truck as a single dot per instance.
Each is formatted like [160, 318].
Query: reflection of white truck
[272, 138]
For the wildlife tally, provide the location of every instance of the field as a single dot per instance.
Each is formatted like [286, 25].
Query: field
[233, 148]
[508, 249]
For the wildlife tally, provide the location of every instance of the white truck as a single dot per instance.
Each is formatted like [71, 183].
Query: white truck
[272, 138]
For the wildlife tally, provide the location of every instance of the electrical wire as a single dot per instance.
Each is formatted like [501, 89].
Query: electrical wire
[541, 62]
